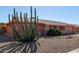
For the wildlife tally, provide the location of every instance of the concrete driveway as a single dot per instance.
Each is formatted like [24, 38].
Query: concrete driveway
[74, 51]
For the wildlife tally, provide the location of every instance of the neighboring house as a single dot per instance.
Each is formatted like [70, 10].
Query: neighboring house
[44, 25]
[2, 29]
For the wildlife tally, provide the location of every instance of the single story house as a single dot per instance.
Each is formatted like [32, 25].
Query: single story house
[44, 25]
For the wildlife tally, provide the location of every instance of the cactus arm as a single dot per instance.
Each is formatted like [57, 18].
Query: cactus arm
[30, 20]
[14, 12]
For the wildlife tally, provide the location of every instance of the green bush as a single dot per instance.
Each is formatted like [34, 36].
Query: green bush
[54, 32]
[58, 32]
[51, 32]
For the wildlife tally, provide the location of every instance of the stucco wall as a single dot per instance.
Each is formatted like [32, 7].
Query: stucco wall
[42, 28]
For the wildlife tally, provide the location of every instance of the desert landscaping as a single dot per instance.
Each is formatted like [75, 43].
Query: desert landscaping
[59, 44]
[24, 34]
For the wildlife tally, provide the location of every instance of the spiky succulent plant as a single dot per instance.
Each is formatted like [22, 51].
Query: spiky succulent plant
[24, 29]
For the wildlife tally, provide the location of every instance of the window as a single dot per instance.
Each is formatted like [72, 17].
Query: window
[61, 28]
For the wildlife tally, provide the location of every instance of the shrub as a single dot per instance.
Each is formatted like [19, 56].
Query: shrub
[51, 32]
[58, 32]
[54, 32]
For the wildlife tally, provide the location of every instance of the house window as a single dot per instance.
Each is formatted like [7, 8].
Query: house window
[61, 28]
[53, 27]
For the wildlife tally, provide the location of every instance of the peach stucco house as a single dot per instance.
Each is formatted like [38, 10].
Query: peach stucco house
[44, 25]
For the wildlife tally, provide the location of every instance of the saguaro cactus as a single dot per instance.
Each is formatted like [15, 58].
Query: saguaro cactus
[23, 29]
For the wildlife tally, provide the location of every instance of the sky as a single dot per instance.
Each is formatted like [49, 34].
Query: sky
[66, 14]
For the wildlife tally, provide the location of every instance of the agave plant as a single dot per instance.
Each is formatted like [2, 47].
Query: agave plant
[24, 29]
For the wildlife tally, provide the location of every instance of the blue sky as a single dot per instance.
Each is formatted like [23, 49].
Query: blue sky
[67, 14]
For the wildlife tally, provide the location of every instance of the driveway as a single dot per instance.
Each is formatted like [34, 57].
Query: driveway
[5, 38]
[74, 51]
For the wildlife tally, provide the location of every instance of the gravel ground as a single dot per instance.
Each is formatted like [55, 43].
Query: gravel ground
[59, 44]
